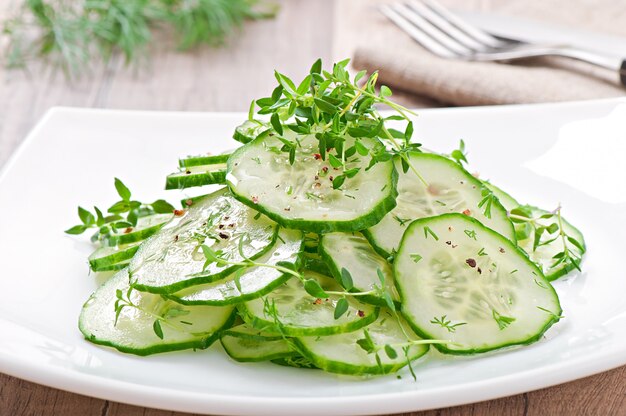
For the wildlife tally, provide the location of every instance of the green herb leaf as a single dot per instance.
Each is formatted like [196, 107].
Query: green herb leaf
[275, 121]
[122, 190]
[341, 308]
[156, 326]
[77, 229]
[346, 279]
[313, 288]
[391, 353]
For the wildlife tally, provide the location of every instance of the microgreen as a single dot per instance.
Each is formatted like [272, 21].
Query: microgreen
[547, 228]
[331, 106]
[122, 215]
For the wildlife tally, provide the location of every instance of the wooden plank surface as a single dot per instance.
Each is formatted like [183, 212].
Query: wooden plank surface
[226, 80]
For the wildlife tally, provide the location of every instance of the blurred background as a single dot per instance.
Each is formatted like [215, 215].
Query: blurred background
[217, 55]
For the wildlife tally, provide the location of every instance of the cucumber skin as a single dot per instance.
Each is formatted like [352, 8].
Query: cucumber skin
[200, 344]
[111, 267]
[244, 298]
[511, 246]
[305, 332]
[192, 161]
[260, 358]
[339, 367]
[320, 227]
[195, 179]
[135, 236]
[368, 235]
[103, 263]
[336, 274]
[200, 279]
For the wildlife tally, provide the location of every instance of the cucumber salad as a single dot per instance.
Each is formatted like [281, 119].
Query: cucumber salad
[330, 240]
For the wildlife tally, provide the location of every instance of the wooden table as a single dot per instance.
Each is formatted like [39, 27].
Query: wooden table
[227, 80]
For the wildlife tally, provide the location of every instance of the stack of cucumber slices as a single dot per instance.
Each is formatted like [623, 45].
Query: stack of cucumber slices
[333, 243]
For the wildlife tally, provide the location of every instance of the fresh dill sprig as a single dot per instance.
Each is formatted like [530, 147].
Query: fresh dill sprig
[71, 35]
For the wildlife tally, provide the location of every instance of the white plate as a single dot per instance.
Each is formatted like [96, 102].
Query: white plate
[545, 154]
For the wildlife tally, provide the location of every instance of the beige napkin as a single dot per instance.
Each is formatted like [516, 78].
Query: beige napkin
[407, 66]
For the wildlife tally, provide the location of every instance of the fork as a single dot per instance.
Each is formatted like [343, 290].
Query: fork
[448, 36]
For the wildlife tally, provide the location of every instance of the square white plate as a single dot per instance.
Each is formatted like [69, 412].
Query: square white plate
[570, 153]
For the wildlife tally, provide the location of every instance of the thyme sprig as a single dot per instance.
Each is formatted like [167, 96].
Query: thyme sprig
[331, 106]
[123, 214]
[548, 224]
[311, 286]
[124, 300]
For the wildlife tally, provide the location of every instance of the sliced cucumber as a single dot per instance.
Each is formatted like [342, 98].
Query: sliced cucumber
[246, 344]
[136, 332]
[354, 253]
[507, 201]
[105, 257]
[342, 354]
[315, 263]
[461, 281]
[549, 245]
[301, 195]
[202, 160]
[172, 259]
[113, 267]
[249, 130]
[300, 314]
[252, 283]
[188, 202]
[146, 226]
[450, 189]
[296, 361]
[197, 176]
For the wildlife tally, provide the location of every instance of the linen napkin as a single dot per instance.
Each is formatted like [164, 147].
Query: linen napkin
[406, 66]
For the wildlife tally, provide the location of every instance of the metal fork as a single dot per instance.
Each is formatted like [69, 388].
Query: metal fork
[448, 36]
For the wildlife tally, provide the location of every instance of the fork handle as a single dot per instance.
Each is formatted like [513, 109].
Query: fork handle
[604, 61]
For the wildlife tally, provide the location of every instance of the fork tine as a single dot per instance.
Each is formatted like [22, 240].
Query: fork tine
[472, 31]
[435, 33]
[446, 27]
[418, 35]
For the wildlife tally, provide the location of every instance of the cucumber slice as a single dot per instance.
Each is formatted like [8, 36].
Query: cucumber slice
[296, 361]
[300, 314]
[450, 189]
[187, 202]
[549, 244]
[146, 226]
[461, 281]
[134, 333]
[301, 195]
[341, 353]
[197, 176]
[315, 263]
[507, 201]
[246, 344]
[201, 160]
[249, 284]
[354, 253]
[112, 267]
[249, 130]
[105, 257]
[172, 259]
